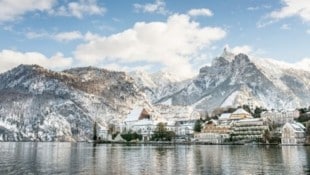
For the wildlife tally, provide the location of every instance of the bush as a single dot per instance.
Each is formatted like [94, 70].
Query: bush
[131, 136]
[161, 133]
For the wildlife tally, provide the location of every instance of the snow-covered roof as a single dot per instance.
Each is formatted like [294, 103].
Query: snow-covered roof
[251, 120]
[215, 122]
[225, 116]
[240, 111]
[171, 123]
[298, 127]
[134, 114]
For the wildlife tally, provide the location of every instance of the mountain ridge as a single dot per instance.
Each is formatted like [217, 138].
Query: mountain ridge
[40, 104]
[275, 87]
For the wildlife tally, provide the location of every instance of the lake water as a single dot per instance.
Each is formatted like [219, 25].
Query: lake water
[85, 158]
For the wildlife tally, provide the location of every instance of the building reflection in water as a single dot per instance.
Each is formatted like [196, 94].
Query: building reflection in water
[84, 158]
[292, 158]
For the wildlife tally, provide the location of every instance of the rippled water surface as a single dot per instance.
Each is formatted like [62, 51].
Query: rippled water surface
[85, 158]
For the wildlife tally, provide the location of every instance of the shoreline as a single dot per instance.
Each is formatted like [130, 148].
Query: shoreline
[195, 143]
[159, 143]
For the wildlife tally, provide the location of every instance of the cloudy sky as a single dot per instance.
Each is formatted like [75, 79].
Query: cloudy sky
[149, 34]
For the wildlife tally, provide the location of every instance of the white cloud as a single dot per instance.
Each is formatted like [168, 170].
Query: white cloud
[245, 49]
[68, 36]
[62, 36]
[79, 9]
[200, 12]
[253, 8]
[159, 6]
[124, 68]
[285, 27]
[308, 31]
[10, 59]
[15, 9]
[34, 35]
[12, 9]
[291, 8]
[303, 64]
[169, 43]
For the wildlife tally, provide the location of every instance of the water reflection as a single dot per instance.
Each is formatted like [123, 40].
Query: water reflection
[83, 158]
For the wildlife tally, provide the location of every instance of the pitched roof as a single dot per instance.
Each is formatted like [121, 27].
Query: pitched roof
[225, 116]
[134, 114]
[240, 111]
[297, 127]
[144, 115]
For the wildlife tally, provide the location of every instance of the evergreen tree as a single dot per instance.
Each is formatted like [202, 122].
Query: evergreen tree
[131, 136]
[95, 131]
[258, 111]
[197, 126]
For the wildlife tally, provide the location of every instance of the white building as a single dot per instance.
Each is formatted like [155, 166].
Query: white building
[292, 134]
[239, 114]
[139, 121]
[103, 133]
[213, 132]
[177, 113]
[184, 128]
[224, 119]
[249, 129]
[215, 138]
[145, 127]
[131, 118]
[280, 117]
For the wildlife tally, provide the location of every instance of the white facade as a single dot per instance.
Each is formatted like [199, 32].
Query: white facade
[292, 134]
[215, 138]
[176, 113]
[249, 129]
[103, 133]
[144, 127]
[280, 118]
[184, 127]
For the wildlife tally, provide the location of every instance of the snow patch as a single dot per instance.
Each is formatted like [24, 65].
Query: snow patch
[230, 100]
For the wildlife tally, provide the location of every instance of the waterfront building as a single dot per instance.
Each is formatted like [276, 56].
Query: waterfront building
[239, 114]
[144, 127]
[184, 128]
[213, 132]
[249, 129]
[292, 134]
[279, 118]
[103, 133]
[214, 138]
[224, 118]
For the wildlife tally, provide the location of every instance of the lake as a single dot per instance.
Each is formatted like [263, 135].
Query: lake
[86, 158]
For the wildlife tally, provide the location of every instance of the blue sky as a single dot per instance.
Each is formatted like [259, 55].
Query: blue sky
[151, 35]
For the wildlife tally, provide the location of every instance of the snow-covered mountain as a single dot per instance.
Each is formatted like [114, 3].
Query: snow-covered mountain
[234, 80]
[38, 104]
[158, 86]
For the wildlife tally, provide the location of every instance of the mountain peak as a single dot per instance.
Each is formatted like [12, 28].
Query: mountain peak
[30, 67]
[229, 56]
[24, 69]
